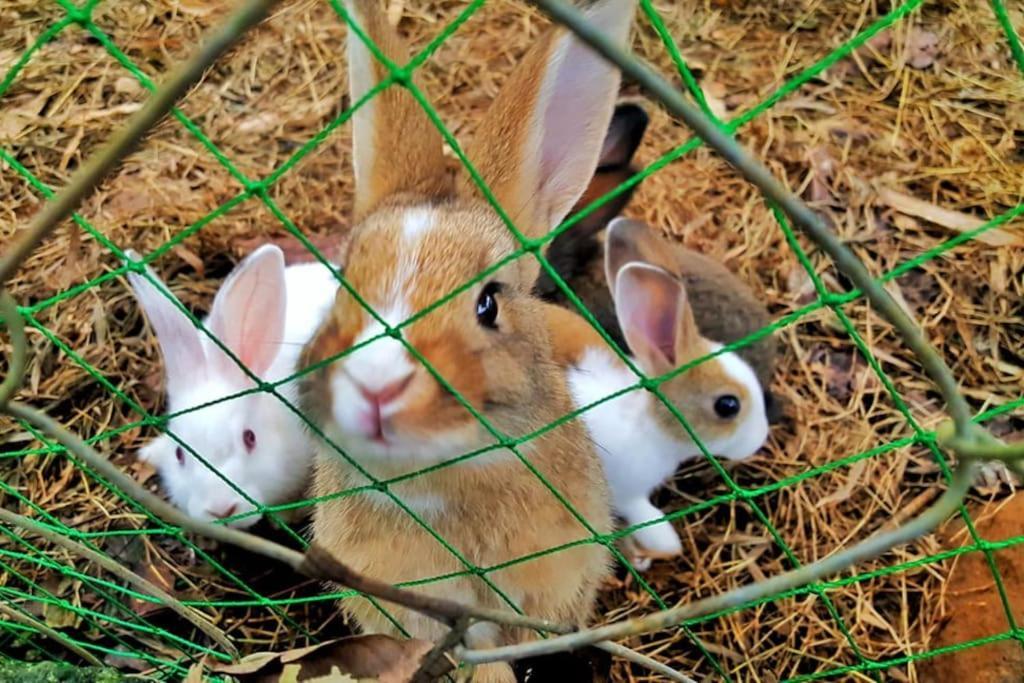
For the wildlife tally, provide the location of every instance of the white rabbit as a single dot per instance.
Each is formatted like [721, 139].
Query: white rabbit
[640, 441]
[264, 313]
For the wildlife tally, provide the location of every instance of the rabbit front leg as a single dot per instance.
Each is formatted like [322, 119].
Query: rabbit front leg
[649, 542]
[481, 636]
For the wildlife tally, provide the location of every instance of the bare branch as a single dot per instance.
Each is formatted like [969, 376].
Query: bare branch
[754, 171]
[19, 346]
[144, 585]
[867, 549]
[315, 563]
[89, 176]
[643, 660]
[57, 637]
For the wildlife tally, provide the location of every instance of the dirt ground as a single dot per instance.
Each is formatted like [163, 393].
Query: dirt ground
[902, 145]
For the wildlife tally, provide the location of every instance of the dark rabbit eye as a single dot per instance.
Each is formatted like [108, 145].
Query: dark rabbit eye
[487, 305]
[179, 453]
[249, 439]
[727, 406]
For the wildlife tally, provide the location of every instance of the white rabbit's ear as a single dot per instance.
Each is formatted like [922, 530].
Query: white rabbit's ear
[395, 146]
[537, 147]
[248, 311]
[180, 345]
[655, 315]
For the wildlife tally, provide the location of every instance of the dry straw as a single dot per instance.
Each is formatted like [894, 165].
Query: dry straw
[961, 436]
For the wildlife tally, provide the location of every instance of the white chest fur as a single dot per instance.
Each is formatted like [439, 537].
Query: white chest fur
[637, 453]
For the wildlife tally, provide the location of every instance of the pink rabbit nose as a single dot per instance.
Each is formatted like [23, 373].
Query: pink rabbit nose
[386, 394]
[223, 512]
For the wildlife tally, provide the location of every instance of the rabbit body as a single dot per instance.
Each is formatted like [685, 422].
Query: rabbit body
[725, 308]
[433, 393]
[640, 441]
[264, 313]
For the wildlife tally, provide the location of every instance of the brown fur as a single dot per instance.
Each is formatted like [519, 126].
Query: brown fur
[724, 307]
[410, 134]
[492, 509]
[496, 512]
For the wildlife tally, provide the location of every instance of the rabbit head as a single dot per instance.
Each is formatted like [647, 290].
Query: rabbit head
[228, 455]
[421, 234]
[721, 398]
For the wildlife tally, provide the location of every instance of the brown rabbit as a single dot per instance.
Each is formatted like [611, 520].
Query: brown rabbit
[724, 307]
[418, 237]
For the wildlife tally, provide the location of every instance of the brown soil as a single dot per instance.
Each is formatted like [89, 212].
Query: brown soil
[974, 608]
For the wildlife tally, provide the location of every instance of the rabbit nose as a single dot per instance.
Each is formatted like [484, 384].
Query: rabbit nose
[383, 395]
[223, 512]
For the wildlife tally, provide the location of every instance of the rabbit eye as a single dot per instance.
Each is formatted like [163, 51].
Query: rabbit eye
[727, 406]
[249, 439]
[179, 453]
[487, 305]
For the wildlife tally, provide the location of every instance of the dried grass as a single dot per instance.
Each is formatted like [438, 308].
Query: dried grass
[950, 133]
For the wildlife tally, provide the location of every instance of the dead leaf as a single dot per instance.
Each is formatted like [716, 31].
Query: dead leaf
[953, 220]
[161, 577]
[191, 258]
[260, 123]
[799, 285]
[894, 290]
[127, 85]
[56, 616]
[715, 94]
[195, 673]
[922, 48]
[374, 657]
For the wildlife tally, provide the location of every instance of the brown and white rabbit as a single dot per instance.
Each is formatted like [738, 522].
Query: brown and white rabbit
[641, 443]
[419, 236]
[725, 308]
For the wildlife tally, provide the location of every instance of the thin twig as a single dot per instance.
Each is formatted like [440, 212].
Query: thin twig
[89, 176]
[438, 661]
[754, 171]
[19, 346]
[144, 585]
[779, 584]
[316, 563]
[643, 660]
[32, 622]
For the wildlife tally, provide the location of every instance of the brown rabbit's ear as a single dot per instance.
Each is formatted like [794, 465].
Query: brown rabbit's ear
[395, 146]
[625, 132]
[538, 146]
[629, 241]
[655, 315]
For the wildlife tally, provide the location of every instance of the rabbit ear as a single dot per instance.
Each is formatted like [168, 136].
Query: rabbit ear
[655, 315]
[629, 122]
[249, 311]
[395, 147]
[537, 148]
[178, 337]
[631, 241]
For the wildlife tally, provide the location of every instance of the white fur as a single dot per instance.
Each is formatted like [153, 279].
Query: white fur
[277, 469]
[750, 435]
[638, 454]
[416, 223]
